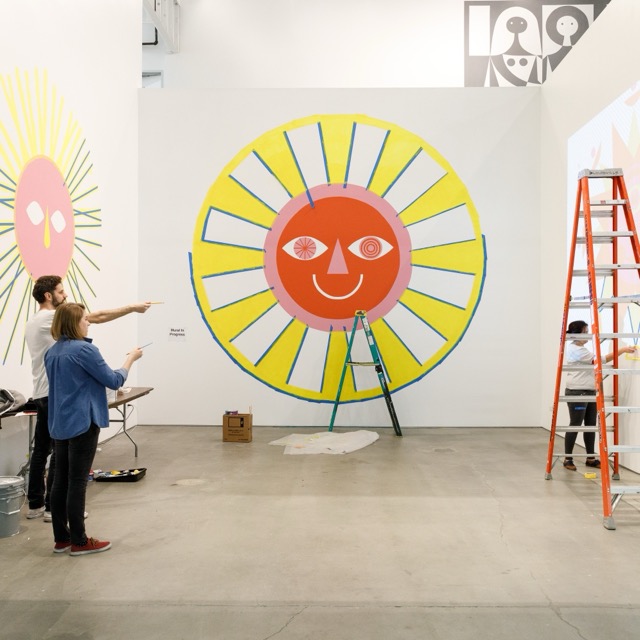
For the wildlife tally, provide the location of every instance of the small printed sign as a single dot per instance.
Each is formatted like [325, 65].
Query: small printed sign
[177, 334]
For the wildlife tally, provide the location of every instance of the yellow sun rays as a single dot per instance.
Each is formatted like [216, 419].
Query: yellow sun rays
[35, 122]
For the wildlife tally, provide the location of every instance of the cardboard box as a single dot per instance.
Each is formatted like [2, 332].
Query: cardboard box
[237, 428]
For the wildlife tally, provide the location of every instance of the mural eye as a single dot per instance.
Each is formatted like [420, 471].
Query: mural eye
[35, 213]
[370, 247]
[305, 248]
[57, 221]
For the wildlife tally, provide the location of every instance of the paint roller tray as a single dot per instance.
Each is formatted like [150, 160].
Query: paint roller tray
[120, 475]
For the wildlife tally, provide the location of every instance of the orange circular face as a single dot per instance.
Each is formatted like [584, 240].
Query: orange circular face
[334, 250]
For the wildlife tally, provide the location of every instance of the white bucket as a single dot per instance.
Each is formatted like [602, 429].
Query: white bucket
[11, 501]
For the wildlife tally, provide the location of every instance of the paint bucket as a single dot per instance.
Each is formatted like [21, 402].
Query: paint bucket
[11, 501]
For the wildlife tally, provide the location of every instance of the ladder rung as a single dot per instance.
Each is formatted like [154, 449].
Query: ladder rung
[581, 429]
[627, 489]
[598, 213]
[624, 448]
[604, 302]
[361, 364]
[598, 236]
[600, 173]
[607, 203]
[602, 336]
[622, 409]
[605, 269]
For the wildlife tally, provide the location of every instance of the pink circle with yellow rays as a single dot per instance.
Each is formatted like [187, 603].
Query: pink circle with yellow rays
[44, 249]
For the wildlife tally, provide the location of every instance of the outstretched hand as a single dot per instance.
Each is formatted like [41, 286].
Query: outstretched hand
[141, 307]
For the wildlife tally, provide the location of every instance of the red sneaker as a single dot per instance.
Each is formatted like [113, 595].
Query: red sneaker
[90, 546]
[61, 547]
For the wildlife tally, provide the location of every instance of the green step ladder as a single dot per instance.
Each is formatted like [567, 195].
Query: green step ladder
[361, 316]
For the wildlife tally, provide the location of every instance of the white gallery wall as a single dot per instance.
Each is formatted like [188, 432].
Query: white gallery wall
[600, 70]
[309, 44]
[89, 53]
[491, 139]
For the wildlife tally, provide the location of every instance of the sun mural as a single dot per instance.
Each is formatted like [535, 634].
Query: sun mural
[49, 218]
[320, 218]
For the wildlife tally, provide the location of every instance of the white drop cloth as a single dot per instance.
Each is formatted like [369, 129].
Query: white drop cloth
[326, 442]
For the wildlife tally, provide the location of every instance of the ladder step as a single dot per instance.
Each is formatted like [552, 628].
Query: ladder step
[602, 336]
[581, 429]
[361, 364]
[627, 489]
[605, 236]
[607, 203]
[600, 173]
[624, 448]
[622, 409]
[598, 213]
[605, 269]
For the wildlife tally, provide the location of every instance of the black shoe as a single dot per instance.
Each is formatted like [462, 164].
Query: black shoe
[592, 462]
[568, 464]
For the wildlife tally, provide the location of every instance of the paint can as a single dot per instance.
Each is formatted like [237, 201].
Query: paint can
[12, 498]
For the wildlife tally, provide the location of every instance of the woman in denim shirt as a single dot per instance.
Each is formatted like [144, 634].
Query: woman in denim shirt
[78, 409]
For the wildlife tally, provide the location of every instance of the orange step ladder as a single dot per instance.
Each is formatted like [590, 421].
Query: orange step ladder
[617, 238]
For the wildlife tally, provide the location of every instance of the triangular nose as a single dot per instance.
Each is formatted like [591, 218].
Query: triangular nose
[338, 263]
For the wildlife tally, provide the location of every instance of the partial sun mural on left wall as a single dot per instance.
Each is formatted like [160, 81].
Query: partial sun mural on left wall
[50, 217]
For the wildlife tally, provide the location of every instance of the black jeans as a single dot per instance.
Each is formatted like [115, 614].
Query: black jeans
[39, 491]
[74, 458]
[580, 412]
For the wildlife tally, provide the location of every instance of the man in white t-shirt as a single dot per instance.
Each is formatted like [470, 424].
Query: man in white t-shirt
[49, 293]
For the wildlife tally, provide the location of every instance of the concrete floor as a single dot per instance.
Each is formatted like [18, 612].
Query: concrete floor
[442, 534]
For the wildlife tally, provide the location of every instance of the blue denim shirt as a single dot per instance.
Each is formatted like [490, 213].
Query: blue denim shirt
[78, 376]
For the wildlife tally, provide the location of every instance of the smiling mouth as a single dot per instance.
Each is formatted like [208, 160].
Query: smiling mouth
[327, 295]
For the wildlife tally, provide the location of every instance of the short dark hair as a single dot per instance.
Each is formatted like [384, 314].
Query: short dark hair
[66, 321]
[45, 284]
[577, 326]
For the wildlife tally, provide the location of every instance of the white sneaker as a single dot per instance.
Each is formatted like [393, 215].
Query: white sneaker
[47, 516]
[35, 513]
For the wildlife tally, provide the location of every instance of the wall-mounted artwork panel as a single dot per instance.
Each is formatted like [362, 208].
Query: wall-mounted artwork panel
[269, 217]
[519, 43]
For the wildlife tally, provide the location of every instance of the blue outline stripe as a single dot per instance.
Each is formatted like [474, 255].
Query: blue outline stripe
[66, 178]
[347, 167]
[295, 358]
[76, 267]
[253, 195]
[232, 271]
[230, 304]
[406, 166]
[272, 172]
[401, 341]
[435, 215]
[377, 162]
[426, 295]
[264, 313]
[86, 193]
[261, 358]
[325, 159]
[423, 320]
[423, 266]
[444, 244]
[86, 256]
[442, 177]
[326, 358]
[5, 202]
[295, 160]
[10, 179]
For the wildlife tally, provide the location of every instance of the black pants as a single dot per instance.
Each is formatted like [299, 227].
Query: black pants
[579, 413]
[74, 458]
[39, 490]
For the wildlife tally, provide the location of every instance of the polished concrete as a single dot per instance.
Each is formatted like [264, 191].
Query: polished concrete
[441, 534]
